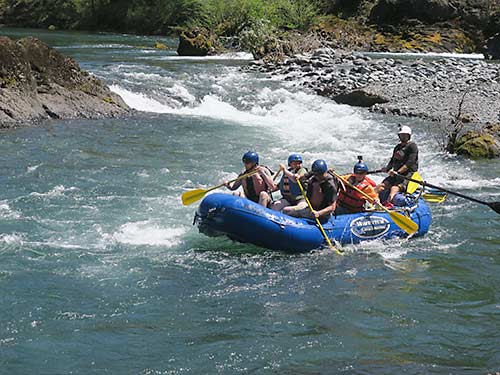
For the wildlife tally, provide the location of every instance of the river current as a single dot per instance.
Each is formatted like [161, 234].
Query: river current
[101, 270]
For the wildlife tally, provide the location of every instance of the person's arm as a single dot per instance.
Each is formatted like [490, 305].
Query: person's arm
[266, 176]
[294, 176]
[306, 176]
[289, 174]
[370, 191]
[234, 185]
[327, 210]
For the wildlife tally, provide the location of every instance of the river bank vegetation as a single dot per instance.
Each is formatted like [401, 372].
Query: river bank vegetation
[226, 17]
[263, 25]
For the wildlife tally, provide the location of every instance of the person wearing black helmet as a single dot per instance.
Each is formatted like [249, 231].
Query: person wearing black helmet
[404, 161]
[258, 186]
[290, 191]
[321, 191]
[351, 201]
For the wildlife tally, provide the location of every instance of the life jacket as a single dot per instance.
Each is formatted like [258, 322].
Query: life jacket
[350, 199]
[289, 189]
[323, 193]
[253, 185]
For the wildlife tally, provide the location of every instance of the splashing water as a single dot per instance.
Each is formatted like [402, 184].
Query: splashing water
[98, 258]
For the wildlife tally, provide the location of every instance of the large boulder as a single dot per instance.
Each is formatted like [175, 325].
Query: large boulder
[492, 48]
[360, 98]
[37, 82]
[480, 144]
[196, 42]
[394, 12]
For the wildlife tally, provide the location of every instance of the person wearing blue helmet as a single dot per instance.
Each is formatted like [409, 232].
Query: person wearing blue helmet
[351, 201]
[257, 187]
[288, 186]
[322, 191]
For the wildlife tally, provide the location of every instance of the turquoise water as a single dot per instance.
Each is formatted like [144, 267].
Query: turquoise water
[102, 272]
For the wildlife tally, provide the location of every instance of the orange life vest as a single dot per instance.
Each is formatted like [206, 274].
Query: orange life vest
[350, 199]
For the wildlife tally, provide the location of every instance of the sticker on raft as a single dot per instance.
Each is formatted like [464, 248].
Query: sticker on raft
[370, 226]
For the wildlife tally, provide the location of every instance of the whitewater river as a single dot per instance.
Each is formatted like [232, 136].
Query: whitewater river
[102, 272]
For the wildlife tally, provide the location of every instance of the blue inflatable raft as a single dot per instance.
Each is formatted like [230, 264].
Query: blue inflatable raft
[245, 221]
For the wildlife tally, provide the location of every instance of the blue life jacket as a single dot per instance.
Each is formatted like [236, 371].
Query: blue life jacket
[290, 189]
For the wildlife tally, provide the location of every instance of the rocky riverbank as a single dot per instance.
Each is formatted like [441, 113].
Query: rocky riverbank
[37, 82]
[432, 89]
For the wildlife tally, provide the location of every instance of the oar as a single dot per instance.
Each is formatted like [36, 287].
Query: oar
[413, 186]
[192, 196]
[330, 245]
[405, 223]
[495, 206]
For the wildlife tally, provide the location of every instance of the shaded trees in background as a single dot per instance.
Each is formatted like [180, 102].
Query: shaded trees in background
[225, 17]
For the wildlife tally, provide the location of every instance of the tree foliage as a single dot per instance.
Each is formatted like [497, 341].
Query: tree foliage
[225, 17]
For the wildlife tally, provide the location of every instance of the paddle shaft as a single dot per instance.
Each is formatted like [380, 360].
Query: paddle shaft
[424, 183]
[191, 196]
[370, 199]
[234, 179]
[327, 239]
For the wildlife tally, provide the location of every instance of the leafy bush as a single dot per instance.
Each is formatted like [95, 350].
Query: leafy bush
[229, 17]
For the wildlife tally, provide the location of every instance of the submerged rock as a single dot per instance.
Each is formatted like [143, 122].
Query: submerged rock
[37, 82]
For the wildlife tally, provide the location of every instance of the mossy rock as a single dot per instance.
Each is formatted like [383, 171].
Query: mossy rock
[478, 145]
[160, 45]
[493, 129]
[196, 42]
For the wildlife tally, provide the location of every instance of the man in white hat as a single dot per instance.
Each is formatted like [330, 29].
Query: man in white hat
[404, 161]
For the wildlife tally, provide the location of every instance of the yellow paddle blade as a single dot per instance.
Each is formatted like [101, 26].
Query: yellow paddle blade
[405, 223]
[413, 186]
[435, 198]
[192, 196]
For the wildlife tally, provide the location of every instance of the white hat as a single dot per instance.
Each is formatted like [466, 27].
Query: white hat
[404, 130]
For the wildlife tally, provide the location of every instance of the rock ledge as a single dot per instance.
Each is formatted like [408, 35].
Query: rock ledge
[37, 82]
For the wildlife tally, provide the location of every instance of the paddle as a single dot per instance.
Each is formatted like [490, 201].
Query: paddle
[330, 245]
[405, 223]
[495, 206]
[192, 196]
[413, 186]
[428, 196]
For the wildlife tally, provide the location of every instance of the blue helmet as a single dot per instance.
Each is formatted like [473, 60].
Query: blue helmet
[319, 167]
[360, 167]
[294, 157]
[250, 156]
